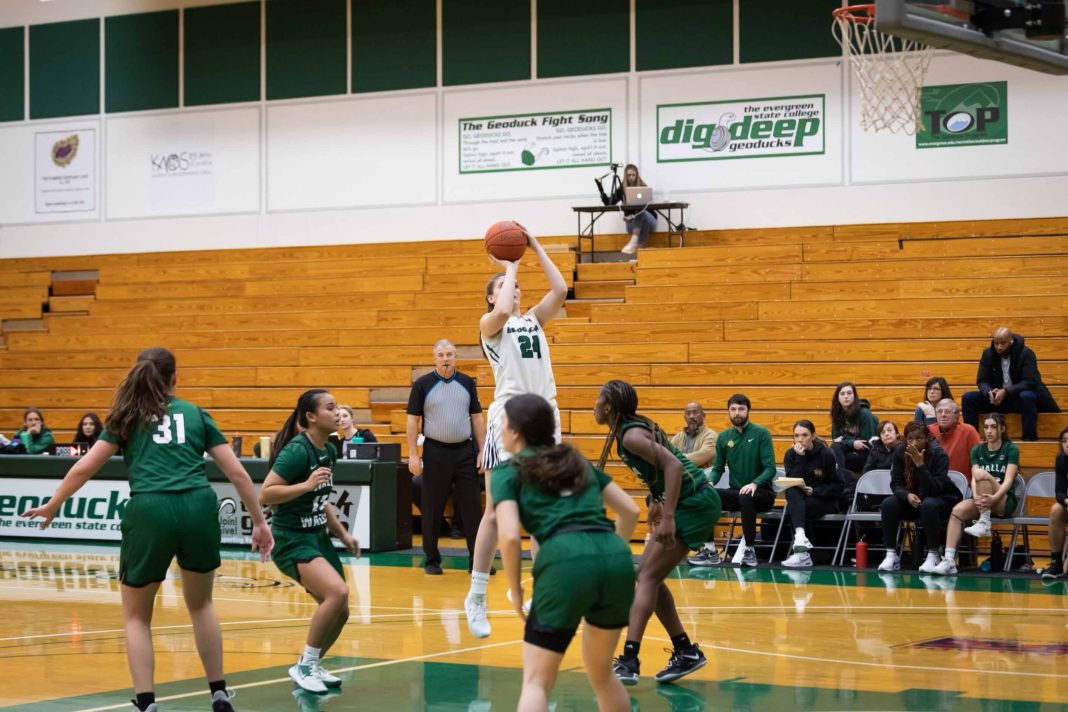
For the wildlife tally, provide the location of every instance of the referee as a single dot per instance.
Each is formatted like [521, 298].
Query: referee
[454, 432]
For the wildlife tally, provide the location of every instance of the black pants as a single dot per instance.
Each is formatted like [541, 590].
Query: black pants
[801, 507]
[1023, 402]
[932, 513]
[449, 469]
[749, 505]
[849, 459]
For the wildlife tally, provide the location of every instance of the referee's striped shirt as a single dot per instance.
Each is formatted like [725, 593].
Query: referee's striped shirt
[446, 405]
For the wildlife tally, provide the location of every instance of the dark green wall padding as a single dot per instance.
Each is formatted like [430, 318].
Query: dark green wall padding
[394, 45]
[583, 37]
[12, 74]
[671, 34]
[65, 69]
[141, 61]
[774, 30]
[485, 41]
[222, 54]
[305, 48]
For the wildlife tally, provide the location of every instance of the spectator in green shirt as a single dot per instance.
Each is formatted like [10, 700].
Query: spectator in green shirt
[745, 450]
[35, 436]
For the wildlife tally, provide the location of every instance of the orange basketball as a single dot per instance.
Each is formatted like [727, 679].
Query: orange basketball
[506, 240]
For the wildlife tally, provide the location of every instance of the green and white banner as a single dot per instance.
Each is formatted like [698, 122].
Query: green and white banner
[96, 510]
[741, 128]
[964, 115]
[522, 142]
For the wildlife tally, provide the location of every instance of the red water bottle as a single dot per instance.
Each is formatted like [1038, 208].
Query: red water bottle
[862, 554]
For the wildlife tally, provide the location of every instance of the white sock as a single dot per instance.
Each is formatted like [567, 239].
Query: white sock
[310, 654]
[891, 552]
[951, 554]
[479, 581]
[985, 517]
[799, 533]
[710, 546]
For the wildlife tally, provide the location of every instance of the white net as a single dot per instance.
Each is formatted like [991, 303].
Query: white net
[889, 71]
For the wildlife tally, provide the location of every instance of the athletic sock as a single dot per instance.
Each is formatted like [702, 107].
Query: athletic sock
[479, 581]
[681, 642]
[310, 654]
[217, 686]
[710, 546]
[144, 699]
[631, 648]
[951, 554]
[985, 517]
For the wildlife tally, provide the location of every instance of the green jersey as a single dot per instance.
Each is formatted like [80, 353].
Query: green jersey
[168, 456]
[295, 463]
[693, 477]
[996, 461]
[544, 514]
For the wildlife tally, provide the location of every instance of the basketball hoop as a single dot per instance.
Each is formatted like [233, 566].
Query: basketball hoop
[889, 70]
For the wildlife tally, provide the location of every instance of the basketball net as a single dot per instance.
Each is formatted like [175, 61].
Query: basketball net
[889, 70]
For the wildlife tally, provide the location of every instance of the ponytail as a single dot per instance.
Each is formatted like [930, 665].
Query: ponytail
[554, 469]
[142, 396]
[296, 423]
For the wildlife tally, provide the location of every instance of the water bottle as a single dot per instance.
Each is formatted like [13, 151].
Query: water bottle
[862, 554]
[357, 438]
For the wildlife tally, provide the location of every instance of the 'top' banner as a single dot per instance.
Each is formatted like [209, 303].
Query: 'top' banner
[964, 115]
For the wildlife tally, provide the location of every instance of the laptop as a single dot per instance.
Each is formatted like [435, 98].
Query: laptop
[638, 195]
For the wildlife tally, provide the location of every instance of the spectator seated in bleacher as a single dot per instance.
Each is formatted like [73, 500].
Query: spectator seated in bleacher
[955, 437]
[1009, 382]
[994, 466]
[922, 490]
[34, 435]
[934, 390]
[881, 455]
[812, 461]
[347, 430]
[852, 428]
[89, 429]
[696, 441]
[745, 449]
[1058, 513]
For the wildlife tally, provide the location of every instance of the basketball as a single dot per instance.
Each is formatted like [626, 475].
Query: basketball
[506, 240]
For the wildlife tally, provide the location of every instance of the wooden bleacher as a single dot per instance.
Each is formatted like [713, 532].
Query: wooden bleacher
[780, 314]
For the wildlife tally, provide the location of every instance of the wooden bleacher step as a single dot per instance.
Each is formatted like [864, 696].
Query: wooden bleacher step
[607, 289]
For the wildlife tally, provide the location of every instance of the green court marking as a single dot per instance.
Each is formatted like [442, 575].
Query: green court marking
[451, 686]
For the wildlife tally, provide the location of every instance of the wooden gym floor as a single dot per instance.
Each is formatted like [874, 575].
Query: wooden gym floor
[776, 640]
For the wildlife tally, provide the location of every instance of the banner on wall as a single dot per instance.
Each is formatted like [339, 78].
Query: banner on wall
[964, 115]
[96, 510]
[181, 179]
[65, 171]
[522, 142]
[741, 128]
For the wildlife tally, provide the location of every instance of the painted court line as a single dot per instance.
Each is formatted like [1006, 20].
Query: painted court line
[863, 663]
[354, 668]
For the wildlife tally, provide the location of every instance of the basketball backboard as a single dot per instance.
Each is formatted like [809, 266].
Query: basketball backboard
[1026, 33]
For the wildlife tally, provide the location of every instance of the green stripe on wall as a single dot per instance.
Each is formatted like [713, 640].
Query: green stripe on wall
[221, 54]
[583, 37]
[774, 30]
[65, 69]
[684, 33]
[305, 48]
[394, 44]
[12, 73]
[485, 41]
[141, 61]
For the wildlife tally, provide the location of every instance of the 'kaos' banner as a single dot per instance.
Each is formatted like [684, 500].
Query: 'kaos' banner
[741, 128]
[523, 142]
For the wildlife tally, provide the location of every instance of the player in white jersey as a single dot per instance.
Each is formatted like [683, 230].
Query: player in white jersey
[518, 352]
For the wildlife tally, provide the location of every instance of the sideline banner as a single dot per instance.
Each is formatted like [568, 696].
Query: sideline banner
[96, 510]
[741, 128]
[521, 142]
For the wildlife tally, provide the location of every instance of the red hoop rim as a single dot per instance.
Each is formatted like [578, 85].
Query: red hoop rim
[855, 13]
